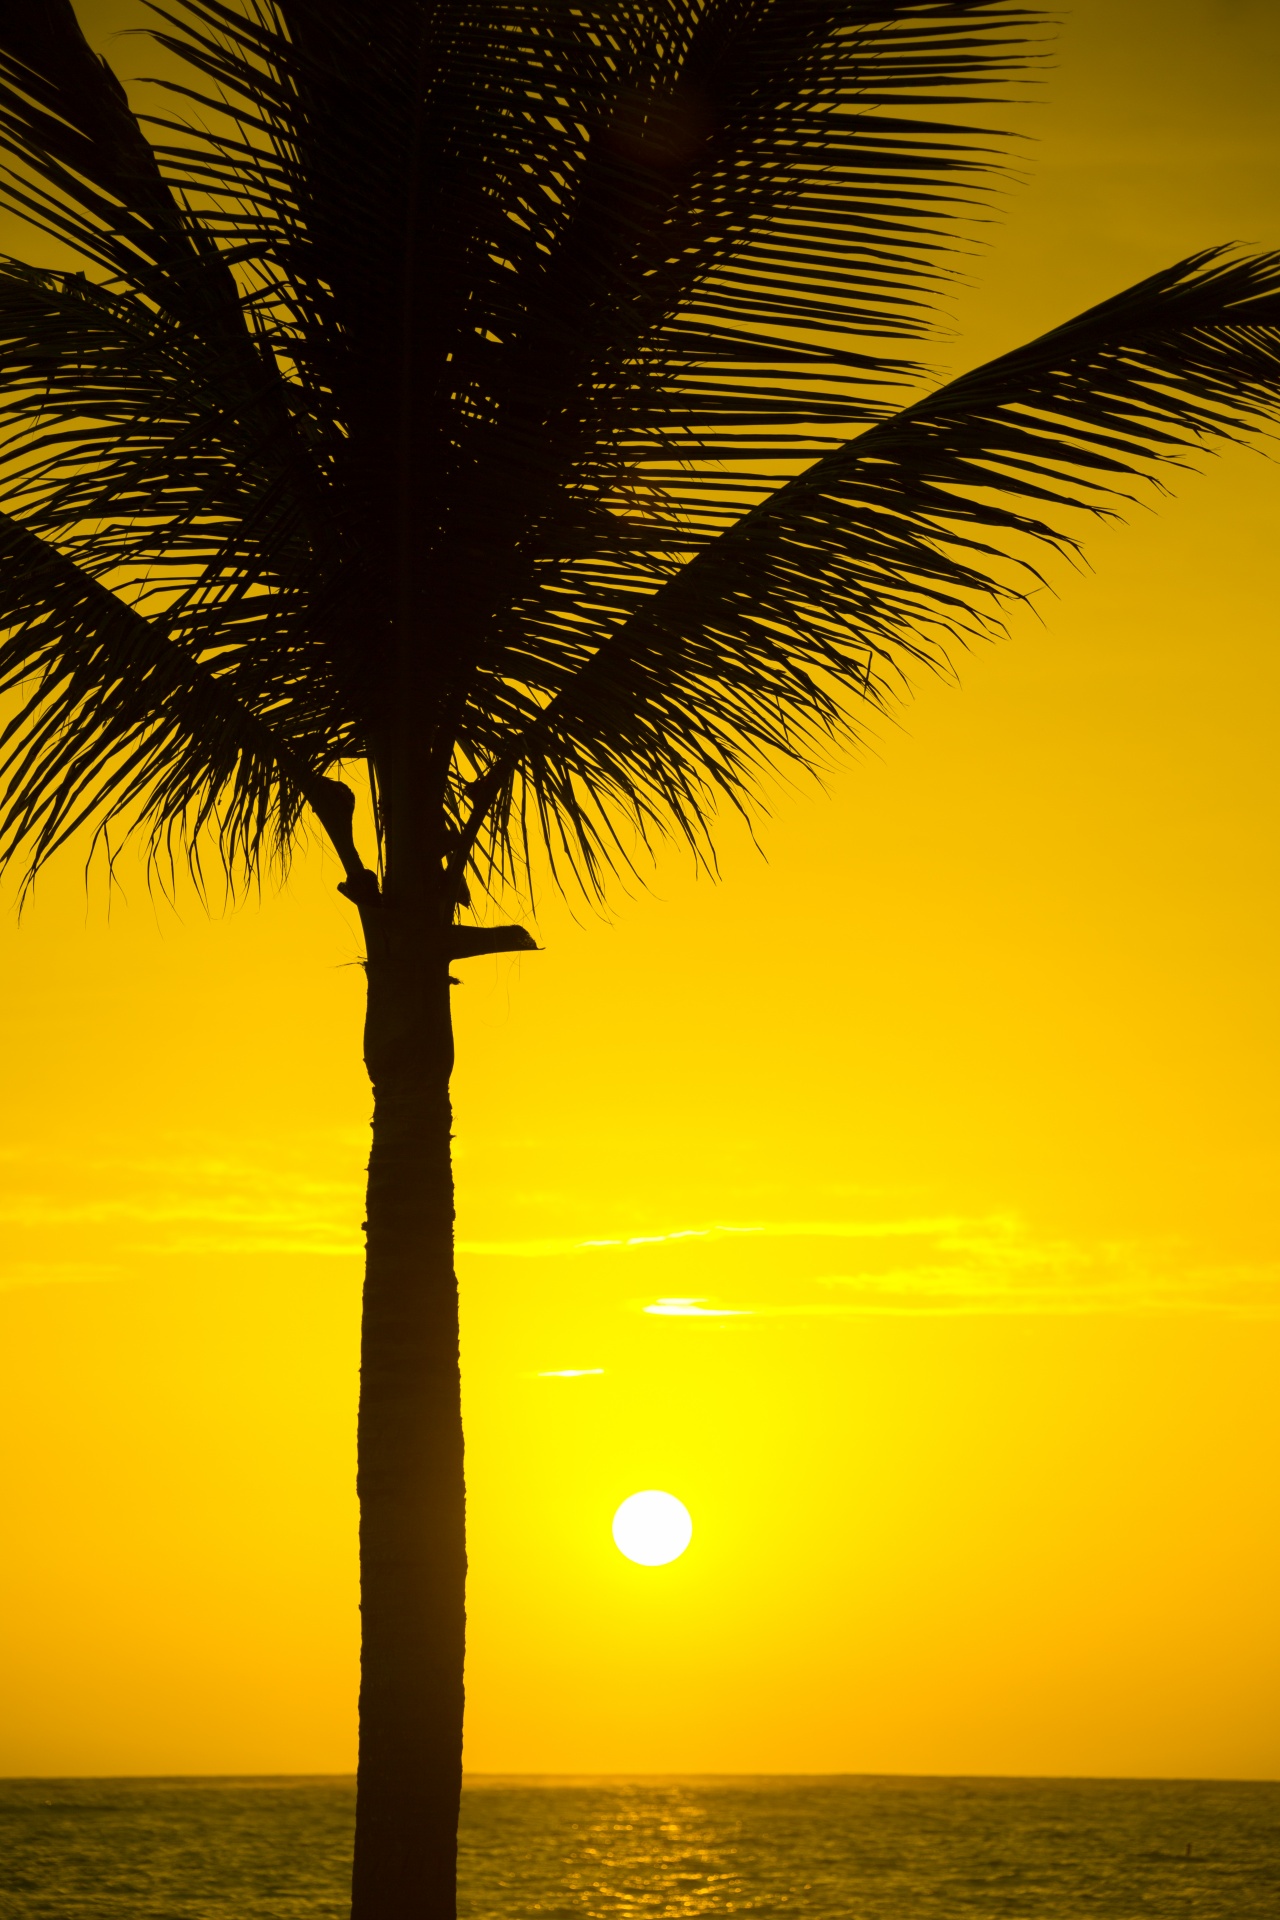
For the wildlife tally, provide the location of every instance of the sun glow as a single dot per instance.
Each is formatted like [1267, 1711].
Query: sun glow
[652, 1528]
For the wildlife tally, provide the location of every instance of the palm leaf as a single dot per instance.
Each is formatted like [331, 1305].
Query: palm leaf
[117, 718]
[506, 397]
[889, 551]
[438, 316]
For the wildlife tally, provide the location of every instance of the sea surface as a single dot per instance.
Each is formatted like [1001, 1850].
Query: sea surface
[861, 1847]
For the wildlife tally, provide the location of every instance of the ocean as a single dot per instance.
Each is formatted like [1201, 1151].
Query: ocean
[855, 1847]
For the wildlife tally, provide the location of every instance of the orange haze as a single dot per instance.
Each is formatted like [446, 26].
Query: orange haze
[964, 1102]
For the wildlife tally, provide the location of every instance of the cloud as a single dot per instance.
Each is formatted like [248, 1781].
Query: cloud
[110, 1210]
[953, 1265]
[765, 1230]
[999, 1266]
[184, 1205]
[678, 1308]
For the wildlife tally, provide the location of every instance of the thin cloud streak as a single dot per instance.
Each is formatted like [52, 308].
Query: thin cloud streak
[202, 1205]
[187, 1205]
[682, 1308]
[766, 1230]
[992, 1264]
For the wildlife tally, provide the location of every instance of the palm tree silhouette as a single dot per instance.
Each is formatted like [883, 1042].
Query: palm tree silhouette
[504, 403]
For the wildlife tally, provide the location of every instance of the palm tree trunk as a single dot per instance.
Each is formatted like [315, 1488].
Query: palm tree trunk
[410, 1476]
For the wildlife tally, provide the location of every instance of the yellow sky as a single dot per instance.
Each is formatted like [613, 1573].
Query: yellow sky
[963, 1102]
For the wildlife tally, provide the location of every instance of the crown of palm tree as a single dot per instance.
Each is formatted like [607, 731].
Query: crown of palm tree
[510, 398]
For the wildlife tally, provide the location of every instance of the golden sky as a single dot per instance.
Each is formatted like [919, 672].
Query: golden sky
[956, 1116]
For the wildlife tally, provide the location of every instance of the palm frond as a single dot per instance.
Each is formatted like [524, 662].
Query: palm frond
[538, 252]
[411, 319]
[510, 397]
[171, 314]
[909, 540]
[116, 719]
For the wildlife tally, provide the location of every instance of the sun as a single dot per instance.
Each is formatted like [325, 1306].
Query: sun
[652, 1528]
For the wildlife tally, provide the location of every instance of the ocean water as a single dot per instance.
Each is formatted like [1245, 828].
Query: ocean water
[855, 1848]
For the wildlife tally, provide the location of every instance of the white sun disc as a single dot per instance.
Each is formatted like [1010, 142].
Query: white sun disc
[652, 1528]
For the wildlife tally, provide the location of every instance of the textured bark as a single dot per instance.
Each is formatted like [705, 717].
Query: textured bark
[410, 1476]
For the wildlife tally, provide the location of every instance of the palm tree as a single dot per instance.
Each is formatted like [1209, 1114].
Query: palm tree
[506, 406]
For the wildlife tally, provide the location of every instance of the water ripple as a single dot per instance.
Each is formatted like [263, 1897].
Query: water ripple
[661, 1849]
